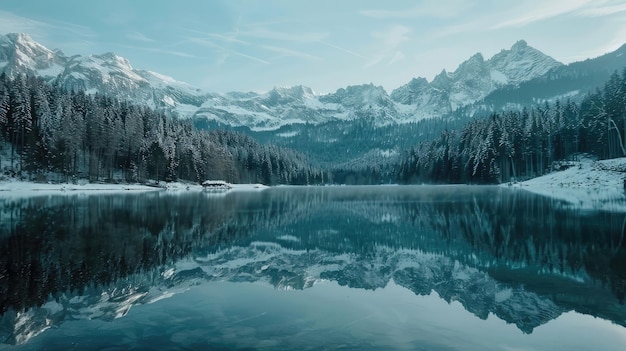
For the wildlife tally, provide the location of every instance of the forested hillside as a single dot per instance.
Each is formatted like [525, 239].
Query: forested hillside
[523, 144]
[48, 133]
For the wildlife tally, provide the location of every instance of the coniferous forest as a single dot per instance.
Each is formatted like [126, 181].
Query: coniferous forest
[514, 145]
[47, 132]
[50, 134]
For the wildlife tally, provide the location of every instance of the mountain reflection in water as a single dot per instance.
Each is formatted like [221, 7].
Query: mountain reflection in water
[523, 258]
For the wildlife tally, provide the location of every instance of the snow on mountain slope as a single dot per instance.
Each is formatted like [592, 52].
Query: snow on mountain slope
[474, 79]
[114, 75]
[299, 104]
[111, 74]
[522, 63]
[21, 54]
[106, 73]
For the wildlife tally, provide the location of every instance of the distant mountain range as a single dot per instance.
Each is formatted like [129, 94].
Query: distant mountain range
[516, 76]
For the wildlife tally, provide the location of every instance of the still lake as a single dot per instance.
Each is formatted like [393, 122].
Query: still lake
[310, 268]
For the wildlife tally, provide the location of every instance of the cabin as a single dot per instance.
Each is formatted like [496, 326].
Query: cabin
[216, 185]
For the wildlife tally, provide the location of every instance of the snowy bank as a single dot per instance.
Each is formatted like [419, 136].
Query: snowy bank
[20, 188]
[586, 184]
[177, 186]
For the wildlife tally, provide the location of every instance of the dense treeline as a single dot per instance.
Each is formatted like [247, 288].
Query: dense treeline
[269, 164]
[523, 144]
[46, 130]
[337, 142]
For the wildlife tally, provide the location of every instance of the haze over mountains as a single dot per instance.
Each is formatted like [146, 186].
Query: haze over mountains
[517, 75]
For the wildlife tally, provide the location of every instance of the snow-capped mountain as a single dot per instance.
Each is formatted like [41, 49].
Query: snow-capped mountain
[20, 54]
[519, 64]
[474, 79]
[298, 105]
[106, 74]
[572, 81]
[267, 110]
[111, 74]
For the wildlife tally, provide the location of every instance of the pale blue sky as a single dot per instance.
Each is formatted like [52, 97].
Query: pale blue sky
[254, 45]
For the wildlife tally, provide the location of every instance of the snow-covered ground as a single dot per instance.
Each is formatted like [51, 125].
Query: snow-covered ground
[586, 184]
[15, 188]
[177, 186]
[21, 188]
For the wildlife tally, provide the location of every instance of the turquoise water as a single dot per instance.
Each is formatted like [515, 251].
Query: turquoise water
[391, 267]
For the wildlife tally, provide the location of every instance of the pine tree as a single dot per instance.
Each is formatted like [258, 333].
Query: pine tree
[21, 118]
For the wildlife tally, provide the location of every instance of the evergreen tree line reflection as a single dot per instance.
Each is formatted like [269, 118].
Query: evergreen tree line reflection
[60, 244]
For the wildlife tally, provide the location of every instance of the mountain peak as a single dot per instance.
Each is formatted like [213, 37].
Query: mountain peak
[474, 63]
[476, 77]
[519, 45]
[113, 58]
[287, 95]
[522, 62]
[22, 54]
[23, 42]
[108, 56]
[296, 90]
[477, 57]
[20, 38]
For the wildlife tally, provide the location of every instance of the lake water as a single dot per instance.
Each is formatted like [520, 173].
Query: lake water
[304, 268]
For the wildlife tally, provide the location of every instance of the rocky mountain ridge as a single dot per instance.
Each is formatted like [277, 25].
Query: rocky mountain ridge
[474, 79]
[109, 73]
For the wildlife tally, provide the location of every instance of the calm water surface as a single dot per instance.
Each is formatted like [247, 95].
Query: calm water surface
[348, 268]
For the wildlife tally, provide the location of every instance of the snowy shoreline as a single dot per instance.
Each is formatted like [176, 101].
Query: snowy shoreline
[585, 185]
[22, 188]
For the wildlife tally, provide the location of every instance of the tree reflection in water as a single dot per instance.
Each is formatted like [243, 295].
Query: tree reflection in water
[470, 244]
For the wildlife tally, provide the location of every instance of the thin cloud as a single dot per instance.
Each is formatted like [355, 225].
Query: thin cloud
[438, 9]
[137, 36]
[48, 31]
[226, 52]
[388, 42]
[161, 51]
[11, 23]
[228, 38]
[541, 11]
[343, 49]
[399, 56]
[241, 54]
[266, 33]
[290, 52]
[604, 10]
[74, 29]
